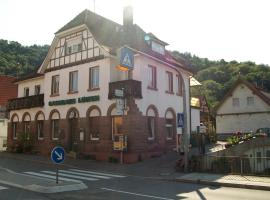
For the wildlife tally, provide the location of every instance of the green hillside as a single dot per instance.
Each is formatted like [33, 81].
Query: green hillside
[217, 77]
[17, 60]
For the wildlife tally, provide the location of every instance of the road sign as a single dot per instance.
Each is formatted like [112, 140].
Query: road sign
[126, 58]
[58, 155]
[119, 93]
[180, 120]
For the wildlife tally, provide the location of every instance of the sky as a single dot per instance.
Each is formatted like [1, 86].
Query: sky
[214, 29]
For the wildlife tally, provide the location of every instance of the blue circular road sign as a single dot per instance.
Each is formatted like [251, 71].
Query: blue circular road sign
[58, 155]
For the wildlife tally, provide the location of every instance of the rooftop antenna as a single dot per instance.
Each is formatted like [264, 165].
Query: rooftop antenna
[94, 2]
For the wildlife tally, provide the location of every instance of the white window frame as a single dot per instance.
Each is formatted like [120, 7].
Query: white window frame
[153, 127]
[37, 89]
[92, 137]
[236, 102]
[55, 85]
[38, 129]
[53, 128]
[94, 77]
[250, 101]
[169, 125]
[14, 130]
[73, 81]
[24, 92]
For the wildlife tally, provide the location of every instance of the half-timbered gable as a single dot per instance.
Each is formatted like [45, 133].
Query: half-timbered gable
[75, 47]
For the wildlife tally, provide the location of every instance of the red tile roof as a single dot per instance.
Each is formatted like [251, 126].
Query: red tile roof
[8, 89]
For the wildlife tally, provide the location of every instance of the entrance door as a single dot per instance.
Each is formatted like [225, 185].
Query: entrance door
[73, 131]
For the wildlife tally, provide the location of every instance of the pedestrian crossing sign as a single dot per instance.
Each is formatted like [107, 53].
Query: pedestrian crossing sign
[126, 58]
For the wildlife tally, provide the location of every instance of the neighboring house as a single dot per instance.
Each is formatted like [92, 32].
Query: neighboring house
[71, 99]
[245, 108]
[199, 113]
[7, 90]
[195, 113]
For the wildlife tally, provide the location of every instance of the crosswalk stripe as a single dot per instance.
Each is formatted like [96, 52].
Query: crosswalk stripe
[84, 174]
[71, 176]
[3, 188]
[50, 177]
[98, 173]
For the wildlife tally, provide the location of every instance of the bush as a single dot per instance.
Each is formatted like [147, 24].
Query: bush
[113, 159]
[25, 143]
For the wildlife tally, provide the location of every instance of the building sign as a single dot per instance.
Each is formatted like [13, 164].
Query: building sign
[180, 120]
[62, 102]
[73, 101]
[120, 142]
[126, 58]
[119, 93]
[88, 99]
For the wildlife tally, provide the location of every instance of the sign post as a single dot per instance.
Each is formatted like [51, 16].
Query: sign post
[57, 157]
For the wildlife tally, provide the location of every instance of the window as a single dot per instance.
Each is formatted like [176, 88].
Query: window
[268, 155]
[73, 81]
[26, 129]
[4, 143]
[259, 157]
[37, 89]
[55, 85]
[73, 46]
[26, 92]
[151, 127]
[94, 128]
[235, 102]
[40, 125]
[250, 101]
[158, 48]
[179, 85]
[169, 82]
[14, 129]
[169, 127]
[117, 124]
[55, 129]
[94, 78]
[152, 77]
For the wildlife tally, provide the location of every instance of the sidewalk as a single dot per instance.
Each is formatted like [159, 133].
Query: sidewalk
[35, 184]
[237, 181]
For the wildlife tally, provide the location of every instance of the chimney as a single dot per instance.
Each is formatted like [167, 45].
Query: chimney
[128, 16]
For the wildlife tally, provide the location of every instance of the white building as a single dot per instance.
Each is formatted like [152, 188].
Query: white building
[244, 108]
[70, 100]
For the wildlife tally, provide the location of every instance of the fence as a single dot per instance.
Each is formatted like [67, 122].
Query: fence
[231, 165]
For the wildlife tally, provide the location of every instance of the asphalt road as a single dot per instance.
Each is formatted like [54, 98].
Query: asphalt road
[123, 188]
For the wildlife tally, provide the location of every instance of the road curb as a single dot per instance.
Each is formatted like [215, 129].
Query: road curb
[214, 183]
[43, 189]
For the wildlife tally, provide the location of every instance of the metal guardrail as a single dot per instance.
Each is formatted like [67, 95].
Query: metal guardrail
[242, 165]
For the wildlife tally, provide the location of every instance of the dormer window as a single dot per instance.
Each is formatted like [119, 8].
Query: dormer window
[158, 48]
[73, 45]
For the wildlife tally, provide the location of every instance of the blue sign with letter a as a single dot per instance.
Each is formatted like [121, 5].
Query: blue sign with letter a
[127, 58]
[180, 120]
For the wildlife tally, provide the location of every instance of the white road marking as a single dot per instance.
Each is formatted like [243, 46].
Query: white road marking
[136, 194]
[71, 176]
[3, 188]
[84, 174]
[51, 177]
[98, 173]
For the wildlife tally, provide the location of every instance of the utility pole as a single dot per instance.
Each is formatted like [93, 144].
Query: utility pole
[186, 130]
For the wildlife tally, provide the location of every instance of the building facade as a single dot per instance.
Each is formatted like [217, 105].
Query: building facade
[7, 90]
[71, 100]
[245, 108]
